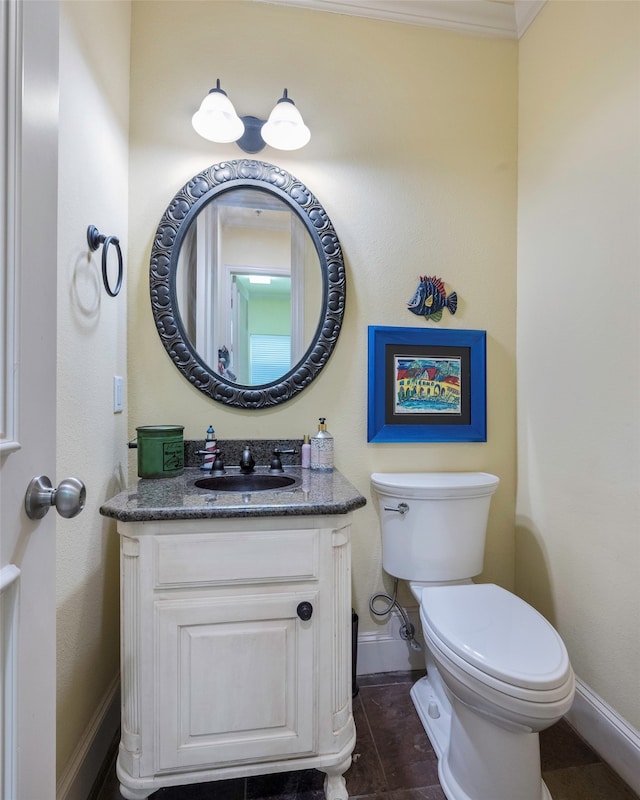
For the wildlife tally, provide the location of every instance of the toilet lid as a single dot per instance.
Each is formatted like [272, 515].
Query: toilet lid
[498, 633]
[435, 485]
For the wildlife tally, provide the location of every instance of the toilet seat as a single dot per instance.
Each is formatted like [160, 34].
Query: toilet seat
[498, 639]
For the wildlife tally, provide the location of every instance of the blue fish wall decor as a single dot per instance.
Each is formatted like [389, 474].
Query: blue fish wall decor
[430, 299]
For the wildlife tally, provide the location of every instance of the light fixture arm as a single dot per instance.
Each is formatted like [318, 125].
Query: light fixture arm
[217, 88]
[285, 98]
[251, 141]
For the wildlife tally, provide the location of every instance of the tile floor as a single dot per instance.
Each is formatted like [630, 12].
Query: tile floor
[393, 760]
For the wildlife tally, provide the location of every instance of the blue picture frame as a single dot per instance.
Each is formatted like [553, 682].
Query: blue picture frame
[426, 385]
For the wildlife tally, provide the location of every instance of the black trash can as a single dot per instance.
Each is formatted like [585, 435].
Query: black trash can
[354, 652]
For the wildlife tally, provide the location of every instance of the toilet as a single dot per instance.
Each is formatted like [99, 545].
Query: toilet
[497, 671]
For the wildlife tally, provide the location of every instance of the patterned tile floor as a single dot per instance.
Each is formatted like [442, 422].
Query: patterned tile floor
[393, 760]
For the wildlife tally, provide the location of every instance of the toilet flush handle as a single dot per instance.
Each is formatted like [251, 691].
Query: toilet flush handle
[401, 509]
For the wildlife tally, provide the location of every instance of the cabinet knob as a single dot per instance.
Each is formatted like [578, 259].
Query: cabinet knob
[305, 610]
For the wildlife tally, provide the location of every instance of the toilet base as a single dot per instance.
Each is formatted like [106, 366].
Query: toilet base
[453, 791]
[473, 763]
[434, 711]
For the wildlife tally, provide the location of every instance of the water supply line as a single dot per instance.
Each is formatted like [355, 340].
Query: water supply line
[407, 629]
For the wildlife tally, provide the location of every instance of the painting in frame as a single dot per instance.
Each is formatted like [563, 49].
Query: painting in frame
[426, 385]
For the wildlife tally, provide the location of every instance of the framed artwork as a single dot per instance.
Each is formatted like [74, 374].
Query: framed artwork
[426, 385]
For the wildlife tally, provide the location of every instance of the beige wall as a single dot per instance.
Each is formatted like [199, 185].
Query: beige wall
[578, 509]
[93, 161]
[413, 154]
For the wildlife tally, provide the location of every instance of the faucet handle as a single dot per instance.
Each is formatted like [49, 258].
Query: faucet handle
[218, 466]
[276, 462]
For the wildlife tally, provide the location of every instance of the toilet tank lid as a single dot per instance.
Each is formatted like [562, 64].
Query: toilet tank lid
[435, 485]
[498, 633]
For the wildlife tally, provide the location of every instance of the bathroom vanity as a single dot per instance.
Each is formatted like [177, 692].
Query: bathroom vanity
[235, 631]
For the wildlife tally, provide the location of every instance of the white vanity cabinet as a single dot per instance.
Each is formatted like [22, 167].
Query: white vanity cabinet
[236, 650]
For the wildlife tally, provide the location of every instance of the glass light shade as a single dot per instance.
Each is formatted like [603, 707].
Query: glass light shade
[216, 119]
[285, 128]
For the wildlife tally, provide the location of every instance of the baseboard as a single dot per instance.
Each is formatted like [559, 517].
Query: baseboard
[611, 736]
[88, 758]
[385, 651]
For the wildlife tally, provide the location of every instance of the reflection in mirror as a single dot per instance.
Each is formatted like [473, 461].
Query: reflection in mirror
[249, 286]
[247, 283]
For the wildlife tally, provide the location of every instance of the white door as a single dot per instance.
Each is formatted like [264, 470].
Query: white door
[28, 269]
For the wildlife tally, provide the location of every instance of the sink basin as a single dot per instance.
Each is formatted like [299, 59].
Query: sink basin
[254, 482]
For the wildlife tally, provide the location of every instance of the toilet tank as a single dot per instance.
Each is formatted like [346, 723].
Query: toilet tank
[441, 534]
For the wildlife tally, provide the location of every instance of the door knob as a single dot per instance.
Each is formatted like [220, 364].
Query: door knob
[69, 498]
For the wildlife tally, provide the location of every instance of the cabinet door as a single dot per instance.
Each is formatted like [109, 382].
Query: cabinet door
[235, 679]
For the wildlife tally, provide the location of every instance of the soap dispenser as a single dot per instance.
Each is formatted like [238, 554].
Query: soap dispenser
[322, 448]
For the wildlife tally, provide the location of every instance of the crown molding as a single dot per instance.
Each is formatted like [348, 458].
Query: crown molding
[498, 18]
[526, 12]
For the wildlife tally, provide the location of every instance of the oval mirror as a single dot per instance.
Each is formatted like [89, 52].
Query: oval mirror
[247, 283]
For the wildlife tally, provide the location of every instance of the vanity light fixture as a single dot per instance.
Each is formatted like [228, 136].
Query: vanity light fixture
[217, 120]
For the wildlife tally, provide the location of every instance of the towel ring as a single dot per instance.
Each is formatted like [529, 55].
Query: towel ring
[95, 239]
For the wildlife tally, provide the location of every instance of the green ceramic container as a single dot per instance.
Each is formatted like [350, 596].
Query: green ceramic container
[160, 451]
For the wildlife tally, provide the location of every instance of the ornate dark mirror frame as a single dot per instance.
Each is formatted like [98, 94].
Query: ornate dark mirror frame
[182, 210]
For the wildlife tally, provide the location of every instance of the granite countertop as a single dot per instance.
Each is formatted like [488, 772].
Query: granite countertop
[318, 493]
